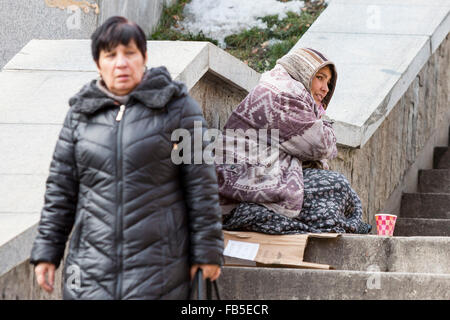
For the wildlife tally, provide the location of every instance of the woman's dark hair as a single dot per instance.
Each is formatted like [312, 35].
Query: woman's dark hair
[114, 31]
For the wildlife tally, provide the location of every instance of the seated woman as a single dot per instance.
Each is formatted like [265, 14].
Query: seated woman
[291, 190]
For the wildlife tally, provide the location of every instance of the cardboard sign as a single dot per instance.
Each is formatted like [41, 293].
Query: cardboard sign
[259, 249]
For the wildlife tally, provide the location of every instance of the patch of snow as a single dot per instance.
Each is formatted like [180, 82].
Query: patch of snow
[272, 42]
[218, 19]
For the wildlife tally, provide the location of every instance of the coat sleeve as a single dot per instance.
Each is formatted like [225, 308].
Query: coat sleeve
[316, 142]
[199, 181]
[58, 213]
[302, 133]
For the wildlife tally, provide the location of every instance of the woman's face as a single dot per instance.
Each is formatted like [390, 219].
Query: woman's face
[319, 86]
[122, 68]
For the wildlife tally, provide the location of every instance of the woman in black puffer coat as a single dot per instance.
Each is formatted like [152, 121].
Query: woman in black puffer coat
[142, 225]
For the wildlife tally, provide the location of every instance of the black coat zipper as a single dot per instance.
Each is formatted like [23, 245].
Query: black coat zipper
[119, 213]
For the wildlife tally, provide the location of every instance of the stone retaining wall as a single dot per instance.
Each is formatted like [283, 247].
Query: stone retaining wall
[217, 99]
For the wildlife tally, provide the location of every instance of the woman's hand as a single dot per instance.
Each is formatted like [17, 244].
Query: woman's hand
[43, 269]
[325, 164]
[211, 271]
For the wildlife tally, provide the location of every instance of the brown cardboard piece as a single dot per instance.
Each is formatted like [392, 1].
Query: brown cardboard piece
[265, 250]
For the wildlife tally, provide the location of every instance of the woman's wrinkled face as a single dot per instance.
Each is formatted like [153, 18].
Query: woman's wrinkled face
[319, 86]
[122, 68]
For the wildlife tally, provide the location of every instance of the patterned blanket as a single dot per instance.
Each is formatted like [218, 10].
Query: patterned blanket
[295, 133]
[330, 205]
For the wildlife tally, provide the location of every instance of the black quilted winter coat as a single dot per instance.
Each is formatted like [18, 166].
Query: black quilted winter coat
[139, 220]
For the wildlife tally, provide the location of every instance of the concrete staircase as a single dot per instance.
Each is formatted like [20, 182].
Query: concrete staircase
[414, 264]
[427, 212]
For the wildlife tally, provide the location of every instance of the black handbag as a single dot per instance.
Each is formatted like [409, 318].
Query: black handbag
[198, 286]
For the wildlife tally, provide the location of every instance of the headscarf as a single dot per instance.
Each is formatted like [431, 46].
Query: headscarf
[302, 65]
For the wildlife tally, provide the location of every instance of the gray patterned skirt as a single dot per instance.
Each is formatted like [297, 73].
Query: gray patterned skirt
[329, 205]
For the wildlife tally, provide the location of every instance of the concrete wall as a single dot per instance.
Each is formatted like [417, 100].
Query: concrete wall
[387, 164]
[146, 13]
[22, 21]
[217, 99]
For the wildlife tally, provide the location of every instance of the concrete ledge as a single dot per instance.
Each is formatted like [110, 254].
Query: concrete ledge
[286, 284]
[387, 254]
[379, 47]
[187, 61]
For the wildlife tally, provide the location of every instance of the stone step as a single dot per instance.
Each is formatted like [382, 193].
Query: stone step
[393, 254]
[434, 181]
[407, 227]
[250, 283]
[425, 205]
[441, 158]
